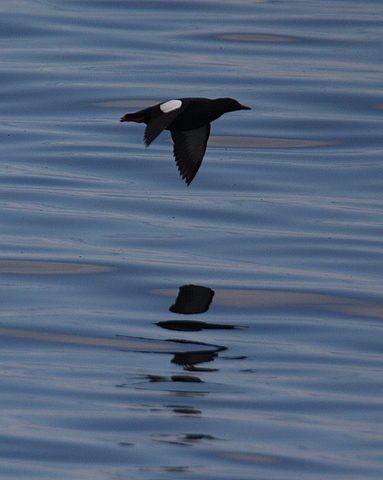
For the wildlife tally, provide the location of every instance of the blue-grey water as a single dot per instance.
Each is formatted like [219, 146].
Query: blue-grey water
[283, 222]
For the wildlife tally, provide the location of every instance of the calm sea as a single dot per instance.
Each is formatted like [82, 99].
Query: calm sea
[280, 374]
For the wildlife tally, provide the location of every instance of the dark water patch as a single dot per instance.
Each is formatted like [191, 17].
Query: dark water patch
[188, 439]
[122, 342]
[22, 25]
[253, 37]
[36, 449]
[34, 267]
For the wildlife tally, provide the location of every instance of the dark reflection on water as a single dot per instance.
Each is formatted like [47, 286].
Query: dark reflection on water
[189, 360]
[194, 326]
[192, 299]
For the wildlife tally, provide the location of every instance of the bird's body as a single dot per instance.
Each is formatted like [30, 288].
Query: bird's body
[188, 120]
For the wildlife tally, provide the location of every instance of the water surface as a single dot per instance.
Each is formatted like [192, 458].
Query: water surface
[283, 222]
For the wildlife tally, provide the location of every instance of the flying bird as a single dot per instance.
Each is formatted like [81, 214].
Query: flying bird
[188, 120]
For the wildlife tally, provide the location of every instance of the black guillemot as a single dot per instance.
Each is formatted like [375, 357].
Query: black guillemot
[188, 120]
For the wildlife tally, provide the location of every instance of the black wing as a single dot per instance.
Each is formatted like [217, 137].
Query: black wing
[189, 149]
[160, 121]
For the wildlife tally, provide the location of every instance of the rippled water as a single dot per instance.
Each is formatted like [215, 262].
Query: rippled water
[282, 226]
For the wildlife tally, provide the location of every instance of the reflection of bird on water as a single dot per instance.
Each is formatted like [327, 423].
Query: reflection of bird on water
[194, 326]
[192, 299]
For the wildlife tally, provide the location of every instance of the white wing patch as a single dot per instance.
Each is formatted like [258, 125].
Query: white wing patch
[170, 105]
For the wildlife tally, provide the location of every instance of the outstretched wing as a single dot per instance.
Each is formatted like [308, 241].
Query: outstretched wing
[162, 116]
[189, 149]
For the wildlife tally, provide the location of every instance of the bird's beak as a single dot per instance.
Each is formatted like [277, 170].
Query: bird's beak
[245, 108]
